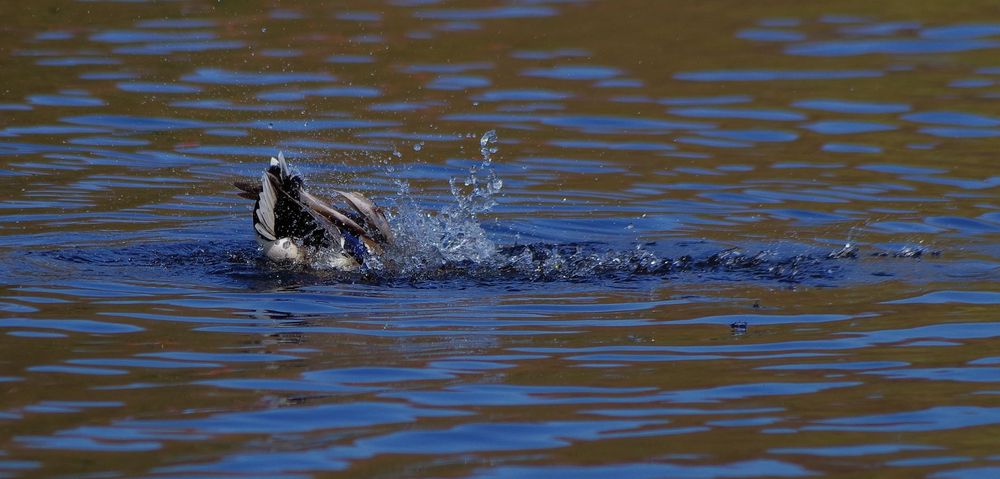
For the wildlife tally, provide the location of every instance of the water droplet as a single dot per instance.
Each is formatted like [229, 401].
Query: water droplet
[418, 146]
[488, 140]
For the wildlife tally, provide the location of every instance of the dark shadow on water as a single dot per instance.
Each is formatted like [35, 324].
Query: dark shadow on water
[239, 265]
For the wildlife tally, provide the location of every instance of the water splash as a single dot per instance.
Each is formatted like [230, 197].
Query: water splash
[428, 241]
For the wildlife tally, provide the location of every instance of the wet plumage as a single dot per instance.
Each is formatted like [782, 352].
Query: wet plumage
[292, 224]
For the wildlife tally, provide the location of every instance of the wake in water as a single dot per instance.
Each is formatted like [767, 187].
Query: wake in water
[451, 245]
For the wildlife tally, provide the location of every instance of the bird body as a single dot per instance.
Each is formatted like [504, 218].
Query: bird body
[293, 225]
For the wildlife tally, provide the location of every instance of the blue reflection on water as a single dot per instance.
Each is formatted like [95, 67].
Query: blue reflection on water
[899, 46]
[774, 75]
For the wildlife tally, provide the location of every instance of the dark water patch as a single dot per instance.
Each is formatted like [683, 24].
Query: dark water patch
[897, 169]
[85, 444]
[852, 107]
[54, 35]
[705, 100]
[228, 77]
[227, 132]
[956, 132]
[620, 83]
[940, 418]
[964, 374]
[35, 334]
[522, 95]
[322, 92]
[583, 123]
[959, 297]
[740, 469]
[852, 451]
[15, 107]
[281, 52]
[851, 148]
[574, 72]
[964, 30]
[359, 16]
[447, 68]
[770, 35]
[350, 59]
[285, 125]
[965, 225]
[880, 29]
[51, 130]
[609, 124]
[929, 461]
[550, 54]
[285, 386]
[108, 141]
[838, 366]
[165, 88]
[162, 23]
[141, 363]
[775, 75]
[227, 105]
[847, 127]
[457, 26]
[167, 48]
[764, 319]
[294, 420]
[77, 370]
[403, 106]
[71, 325]
[953, 118]
[123, 75]
[892, 46]
[77, 61]
[146, 36]
[613, 146]
[494, 13]
[971, 83]
[65, 100]
[238, 265]
[133, 123]
[738, 113]
[754, 135]
[458, 82]
[690, 140]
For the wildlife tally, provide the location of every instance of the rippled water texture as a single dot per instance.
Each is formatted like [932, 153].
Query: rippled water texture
[711, 240]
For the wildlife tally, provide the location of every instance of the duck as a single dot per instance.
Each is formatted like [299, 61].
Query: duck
[292, 225]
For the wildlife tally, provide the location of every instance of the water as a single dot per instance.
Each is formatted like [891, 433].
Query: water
[658, 240]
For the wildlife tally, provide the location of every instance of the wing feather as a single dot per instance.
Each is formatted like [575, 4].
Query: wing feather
[337, 217]
[372, 214]
[265, 208]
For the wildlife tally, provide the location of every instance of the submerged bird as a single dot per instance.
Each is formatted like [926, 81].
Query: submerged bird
[292, 224]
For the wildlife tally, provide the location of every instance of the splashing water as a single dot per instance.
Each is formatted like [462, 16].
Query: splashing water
[426, 241]
[452, 244]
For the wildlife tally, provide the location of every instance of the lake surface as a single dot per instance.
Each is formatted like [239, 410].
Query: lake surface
[644, 239]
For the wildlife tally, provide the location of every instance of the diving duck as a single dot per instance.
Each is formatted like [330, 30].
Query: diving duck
[293, 225]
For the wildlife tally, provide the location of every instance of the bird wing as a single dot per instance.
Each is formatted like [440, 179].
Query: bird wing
[263, 213]
[371, 215]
